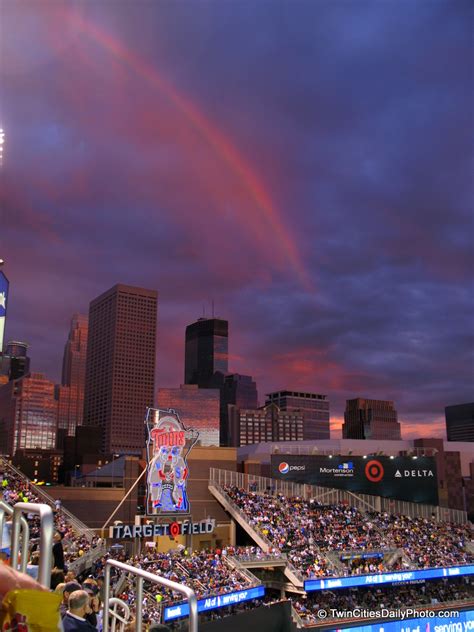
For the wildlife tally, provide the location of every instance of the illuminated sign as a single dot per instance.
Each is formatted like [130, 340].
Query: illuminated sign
[387, 578]
[168, 446]
[380, 476]
[212, 603]
[3, 306]
[459, 621]
[173, 529]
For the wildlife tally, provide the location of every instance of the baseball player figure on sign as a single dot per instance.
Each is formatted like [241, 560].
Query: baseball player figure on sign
[168, 446]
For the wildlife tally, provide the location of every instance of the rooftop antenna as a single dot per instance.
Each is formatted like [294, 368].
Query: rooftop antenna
[212, 308]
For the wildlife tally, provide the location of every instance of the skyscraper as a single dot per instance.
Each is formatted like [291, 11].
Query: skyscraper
[315, 409]
[70, 394]
[238, 390]
[197, 408]
[120, 373]
[28, 414]
[460, 422]
[206, 351]
[268, 423]
[370, 419]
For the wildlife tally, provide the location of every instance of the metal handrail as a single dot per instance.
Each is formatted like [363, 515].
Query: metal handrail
[114, 602]
[157, 579]
[5, 508]
[46, 537]
[242, 514]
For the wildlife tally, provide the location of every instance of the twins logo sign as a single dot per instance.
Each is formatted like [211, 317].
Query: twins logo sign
[168, 446]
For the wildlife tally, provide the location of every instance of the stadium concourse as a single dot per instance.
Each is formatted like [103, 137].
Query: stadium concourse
[305, 538]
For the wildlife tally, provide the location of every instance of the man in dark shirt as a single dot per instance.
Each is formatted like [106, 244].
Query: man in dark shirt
[74, 620]
[58, 552]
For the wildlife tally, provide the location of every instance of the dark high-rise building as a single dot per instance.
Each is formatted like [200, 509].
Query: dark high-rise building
[315, 409]
[206, 352]
[120, 366]
[197, 408]
[70, 394]
[15, 360]
[28, 414]
[237, 390]
[268, 423]
[460, 422]
[370, 419]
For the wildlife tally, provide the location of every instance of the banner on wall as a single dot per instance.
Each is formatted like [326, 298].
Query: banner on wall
[402, 478]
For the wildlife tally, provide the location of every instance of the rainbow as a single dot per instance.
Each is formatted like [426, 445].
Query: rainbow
[221, 145]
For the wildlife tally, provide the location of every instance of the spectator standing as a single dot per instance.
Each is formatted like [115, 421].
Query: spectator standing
[58, 551]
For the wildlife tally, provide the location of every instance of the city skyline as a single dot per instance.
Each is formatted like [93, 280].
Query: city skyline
[313, 183]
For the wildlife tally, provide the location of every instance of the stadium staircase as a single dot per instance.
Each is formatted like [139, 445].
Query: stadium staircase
[293, 574]
[82, 563]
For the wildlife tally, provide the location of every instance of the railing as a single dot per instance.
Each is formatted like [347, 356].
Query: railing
[233, 563]
[85, 562]
[156, 579]
[5, 508]
[240, 513]
[79, 526]
[325, 495]
[255, 557]
[122, 620]
[46, 537]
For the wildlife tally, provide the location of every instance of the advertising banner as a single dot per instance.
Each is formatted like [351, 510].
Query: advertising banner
[3, 306]
[402, 478]
[168, 446]
[397, 577]
[212, 603]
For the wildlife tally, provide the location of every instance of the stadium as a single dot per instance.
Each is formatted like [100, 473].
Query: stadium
[297, 555]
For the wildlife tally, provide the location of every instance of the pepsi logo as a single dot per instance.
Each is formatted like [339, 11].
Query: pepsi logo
[284, 468]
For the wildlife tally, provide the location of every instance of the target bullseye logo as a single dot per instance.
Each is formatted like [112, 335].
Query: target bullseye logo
[284, 468]
[174, 529]
[374, 471]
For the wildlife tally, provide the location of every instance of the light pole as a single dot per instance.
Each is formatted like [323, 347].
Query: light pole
[113, 467]
[75, 474]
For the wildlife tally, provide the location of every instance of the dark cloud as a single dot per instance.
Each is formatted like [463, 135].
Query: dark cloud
[353, 121]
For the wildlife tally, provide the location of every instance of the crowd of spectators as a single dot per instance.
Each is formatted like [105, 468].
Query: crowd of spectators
[207, 572]
[16, 488]
[307, 531]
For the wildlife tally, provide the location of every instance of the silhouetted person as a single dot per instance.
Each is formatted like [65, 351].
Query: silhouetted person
[58, 552]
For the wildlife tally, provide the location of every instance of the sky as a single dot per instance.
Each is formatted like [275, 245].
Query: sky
[305, 165]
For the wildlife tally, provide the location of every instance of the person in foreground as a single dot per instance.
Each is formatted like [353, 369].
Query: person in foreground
[74, 620]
